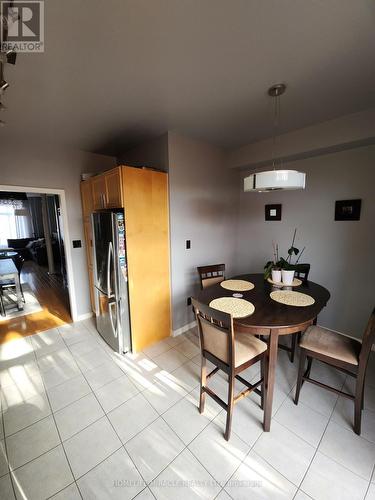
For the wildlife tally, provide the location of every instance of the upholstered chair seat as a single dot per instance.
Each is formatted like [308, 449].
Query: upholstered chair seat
[332, 344]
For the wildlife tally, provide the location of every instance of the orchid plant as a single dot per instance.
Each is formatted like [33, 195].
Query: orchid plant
[281, 262]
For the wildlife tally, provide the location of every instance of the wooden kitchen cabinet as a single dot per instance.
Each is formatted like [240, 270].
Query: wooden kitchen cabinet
[107, 189]
[87, 198]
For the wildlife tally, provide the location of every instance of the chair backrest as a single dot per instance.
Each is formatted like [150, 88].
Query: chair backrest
[302, 271]
[210, 275]
[215, 332]
[367, 341]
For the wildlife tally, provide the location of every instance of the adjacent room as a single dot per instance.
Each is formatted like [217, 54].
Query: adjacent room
[187, 210]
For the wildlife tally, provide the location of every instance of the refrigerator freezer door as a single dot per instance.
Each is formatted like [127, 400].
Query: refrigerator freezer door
[122, 280]
[106, 320]
[103, 237]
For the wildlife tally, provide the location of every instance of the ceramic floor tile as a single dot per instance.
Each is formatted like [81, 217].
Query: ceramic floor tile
[18, 417]
[188, 348]
[164, 392]
[92, 359]
[56, 376]
[371, 492]
[223, 495]
[77, 416]
[256, 479]
[115, 393]
[44, 476]
[300, 495]
[18, 372]
[6, 488]
[74, 336]
[170, 360]
[69, 493]
[145, 495]
[62, 359]
[327, 480]
[84, 346]
[186, 421]
[317, 398]
[154, 448]
[3, 459]
[103, 374]
[247, 420]
[140, 369]
[69, 391]
[349, 450]
[31, 442]
[187, 376]
[344, 416]
[302, 420]
[91, 446]
[157, 348]
[286, 452]
[220, 457]
[115, 478]
[173, 341]
[1, 424]
[17, 393]
[190, 477]
[132, 416]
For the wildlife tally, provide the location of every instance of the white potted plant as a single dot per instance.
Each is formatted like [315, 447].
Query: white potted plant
[280, 269]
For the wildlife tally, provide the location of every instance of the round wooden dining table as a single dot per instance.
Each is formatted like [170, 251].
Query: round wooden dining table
[271, 319]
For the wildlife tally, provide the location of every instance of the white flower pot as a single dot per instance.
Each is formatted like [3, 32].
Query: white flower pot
[276, 276]
[287, 277]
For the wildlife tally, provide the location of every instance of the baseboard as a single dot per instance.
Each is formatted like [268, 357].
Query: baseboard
[184, 329]
[81, 317]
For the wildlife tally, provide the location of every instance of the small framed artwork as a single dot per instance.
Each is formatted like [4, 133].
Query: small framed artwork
[348, 210]
[273, 212]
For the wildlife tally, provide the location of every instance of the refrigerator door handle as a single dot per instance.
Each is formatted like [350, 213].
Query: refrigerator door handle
[110, 305]
[109, 258]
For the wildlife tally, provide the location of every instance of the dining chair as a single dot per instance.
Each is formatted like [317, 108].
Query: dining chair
[6, 284]
[302, 273]
[210, 275]
[230, 352]
[343, 353]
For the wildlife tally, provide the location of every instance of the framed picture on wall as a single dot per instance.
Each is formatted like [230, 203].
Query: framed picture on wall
[348, 210]
[272, 212]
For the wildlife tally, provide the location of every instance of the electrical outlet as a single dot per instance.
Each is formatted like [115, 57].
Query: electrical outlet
[188, 301]
[188, 245]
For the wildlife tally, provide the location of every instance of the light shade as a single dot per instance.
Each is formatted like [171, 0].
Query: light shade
[275, 180]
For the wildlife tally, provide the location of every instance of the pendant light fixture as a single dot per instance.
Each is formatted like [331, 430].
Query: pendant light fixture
[278, 178]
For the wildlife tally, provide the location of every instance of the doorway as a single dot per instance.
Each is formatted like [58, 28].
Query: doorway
[35, 236]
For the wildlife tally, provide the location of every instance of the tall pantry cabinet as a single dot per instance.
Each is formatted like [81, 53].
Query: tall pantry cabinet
[143, 194]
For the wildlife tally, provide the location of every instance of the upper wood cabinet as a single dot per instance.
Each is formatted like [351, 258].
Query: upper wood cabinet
[87, 198]
[107, 189]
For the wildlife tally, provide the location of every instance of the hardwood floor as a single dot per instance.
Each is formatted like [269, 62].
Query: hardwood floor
[51, 295]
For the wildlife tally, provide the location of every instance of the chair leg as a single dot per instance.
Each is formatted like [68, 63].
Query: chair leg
[358, 402]
[202, 398]
[309, 365]
[293, 347]
[301, 369]
[262, 375]
[228, 426]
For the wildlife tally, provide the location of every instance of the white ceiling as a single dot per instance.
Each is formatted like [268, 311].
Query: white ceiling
[116, 72]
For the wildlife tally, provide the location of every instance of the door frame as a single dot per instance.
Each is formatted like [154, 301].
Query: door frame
[67, 249]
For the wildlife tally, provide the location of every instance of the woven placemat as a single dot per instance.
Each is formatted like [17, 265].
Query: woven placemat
[237, 285]
[291, 298]
[296, 282]
[238, 308]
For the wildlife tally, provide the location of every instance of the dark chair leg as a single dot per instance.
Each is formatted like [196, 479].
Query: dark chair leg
[293, 347]
[263, 374]
[358, 402]
[301, 369]
[228, 426]
[202, 398]
[309, 365]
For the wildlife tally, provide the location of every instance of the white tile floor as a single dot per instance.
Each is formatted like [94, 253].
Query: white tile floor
[79, 421]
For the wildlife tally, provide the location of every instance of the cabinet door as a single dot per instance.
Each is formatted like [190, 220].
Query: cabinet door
[113, 189]
[92, 291]
[88, 239]
[99, 191]
[87, 199]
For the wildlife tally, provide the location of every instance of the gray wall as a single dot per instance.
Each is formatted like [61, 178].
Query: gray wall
[153, 153]
[203, 208]
[43, 167]
[340, 253]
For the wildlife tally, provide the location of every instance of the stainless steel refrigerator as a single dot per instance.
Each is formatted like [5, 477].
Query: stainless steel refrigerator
[111, 282]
